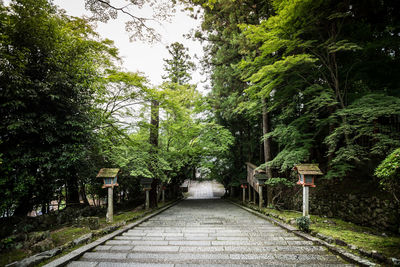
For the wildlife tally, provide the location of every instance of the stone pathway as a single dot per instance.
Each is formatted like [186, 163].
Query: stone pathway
[207, 232]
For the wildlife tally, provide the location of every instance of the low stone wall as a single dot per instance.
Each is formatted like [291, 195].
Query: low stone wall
[379, 213]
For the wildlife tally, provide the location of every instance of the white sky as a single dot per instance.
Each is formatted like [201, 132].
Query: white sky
[139, 56]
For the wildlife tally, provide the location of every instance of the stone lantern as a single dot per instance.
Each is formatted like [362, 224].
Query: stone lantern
[244, 187]
[109, 176]
[146, 184]
[306, 174]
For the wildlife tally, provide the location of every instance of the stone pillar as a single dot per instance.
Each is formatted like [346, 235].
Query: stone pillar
[305, 201]
[244, 194]
[260, 196]
[147, 204]
[110, 210]
[163, 196]
[249, 193]
[255, 195]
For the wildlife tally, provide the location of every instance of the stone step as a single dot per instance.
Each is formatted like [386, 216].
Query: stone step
[197, 233]
[212, 249]
[207, 231]
[207, 258]
[206, 237]
[209, 243]
[121, 264]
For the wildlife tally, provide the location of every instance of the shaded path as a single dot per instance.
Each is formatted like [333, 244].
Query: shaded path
[207, 232]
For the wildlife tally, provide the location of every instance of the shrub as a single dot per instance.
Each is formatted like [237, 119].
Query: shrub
[303, 223]
[388, 173]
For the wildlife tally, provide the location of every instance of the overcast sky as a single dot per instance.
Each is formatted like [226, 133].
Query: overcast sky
[141, 56]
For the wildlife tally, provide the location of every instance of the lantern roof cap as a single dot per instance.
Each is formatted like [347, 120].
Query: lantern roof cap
[108, 173]
[311, 169]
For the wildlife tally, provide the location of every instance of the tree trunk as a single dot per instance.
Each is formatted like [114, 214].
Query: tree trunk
[82, 193]
[153, 194]
[154, 125]
[153, 140]
[267, 147]
[24, 206]
[72, 190]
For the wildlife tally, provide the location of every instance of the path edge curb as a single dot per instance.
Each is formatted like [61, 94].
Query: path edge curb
[73, 255]
[338, 251]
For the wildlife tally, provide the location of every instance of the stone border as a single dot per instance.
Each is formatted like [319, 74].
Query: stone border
[73, 255]
[338, 251]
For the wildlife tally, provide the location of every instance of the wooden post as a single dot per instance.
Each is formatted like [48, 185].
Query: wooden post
[244, 195]
[305, 201]
[147, 205]
[110, 211]
[163, 196]
[260, 196]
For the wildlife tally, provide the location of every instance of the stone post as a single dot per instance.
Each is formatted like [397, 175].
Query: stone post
[110, 210]
[249, 193]
[254, 195]
[260, 196]
[244, 195]
[163, 196]
[305, 201]
[147, 205]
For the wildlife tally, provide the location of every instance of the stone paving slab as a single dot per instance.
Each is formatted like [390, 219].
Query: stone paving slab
[197, 232]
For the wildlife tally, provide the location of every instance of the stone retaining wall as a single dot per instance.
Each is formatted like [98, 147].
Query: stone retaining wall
[375, 212]
[379, 213]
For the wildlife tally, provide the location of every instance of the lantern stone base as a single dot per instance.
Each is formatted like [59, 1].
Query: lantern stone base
[110, 209]
[305, 201]
[147, 203]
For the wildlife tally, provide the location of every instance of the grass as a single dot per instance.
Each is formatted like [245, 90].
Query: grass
[67, 234]
[11, 256]
[363, 237]
[63, 235]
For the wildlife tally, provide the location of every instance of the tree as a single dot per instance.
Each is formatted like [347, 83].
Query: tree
[138, 26]
[389, 174]
[48, 74]
[303, 67]
[223, 47]
[178, 67]
[310, 65]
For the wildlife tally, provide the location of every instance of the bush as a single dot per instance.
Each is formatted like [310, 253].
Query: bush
[388, 173]
[303, 223]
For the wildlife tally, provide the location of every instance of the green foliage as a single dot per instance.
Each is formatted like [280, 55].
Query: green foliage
[327, 70]
[303, 223]
[50, 71]
[227, 100]
[368, 130]
[279, 182]
[179, 66]
[317, 108]
[388, 173]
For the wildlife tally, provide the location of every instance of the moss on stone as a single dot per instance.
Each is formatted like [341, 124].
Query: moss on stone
[365, 238]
